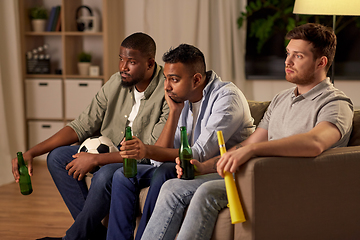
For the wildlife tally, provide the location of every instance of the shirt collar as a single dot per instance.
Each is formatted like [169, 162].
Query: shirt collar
[315, 91]
[210, 76]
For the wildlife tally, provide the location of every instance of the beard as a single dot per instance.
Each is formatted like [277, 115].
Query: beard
[133, 82]
[304, 78]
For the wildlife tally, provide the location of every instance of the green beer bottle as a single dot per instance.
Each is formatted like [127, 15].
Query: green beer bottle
[130, 165]
[25, 181]
[185, 155]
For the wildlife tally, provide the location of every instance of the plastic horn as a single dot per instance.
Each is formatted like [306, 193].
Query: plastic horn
[236, 210]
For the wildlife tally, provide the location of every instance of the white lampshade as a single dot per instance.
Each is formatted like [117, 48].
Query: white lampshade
[327, 7]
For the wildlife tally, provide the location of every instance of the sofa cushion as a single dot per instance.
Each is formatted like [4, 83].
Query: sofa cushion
[223, 228]
[142, 198]
[257, 110]
[355, 134]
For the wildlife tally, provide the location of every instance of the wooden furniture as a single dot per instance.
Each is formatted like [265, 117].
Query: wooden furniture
[50, 97]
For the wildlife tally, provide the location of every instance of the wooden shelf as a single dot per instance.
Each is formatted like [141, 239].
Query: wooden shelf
[65, 45]
[43, 76]
[63, 33]
[46, 119]
[43, 33]
[83, 33]
[62, 76]
[84, 77]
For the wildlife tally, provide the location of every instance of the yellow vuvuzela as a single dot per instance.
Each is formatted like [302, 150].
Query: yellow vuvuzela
[236, 210]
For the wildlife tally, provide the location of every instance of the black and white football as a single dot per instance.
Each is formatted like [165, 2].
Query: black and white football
[98, 144]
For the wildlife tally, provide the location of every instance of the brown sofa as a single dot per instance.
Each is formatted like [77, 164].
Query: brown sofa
[296, 198]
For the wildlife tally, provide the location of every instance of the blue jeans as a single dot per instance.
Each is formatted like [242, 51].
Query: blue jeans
[87, 207]
[204, 196]
[125, 199]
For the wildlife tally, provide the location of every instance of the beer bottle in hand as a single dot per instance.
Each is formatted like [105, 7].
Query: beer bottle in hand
[130, 165]
[185, 155]
[24, 181]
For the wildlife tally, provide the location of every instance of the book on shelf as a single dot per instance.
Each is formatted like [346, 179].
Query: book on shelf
[57, 14]
[51, 19]
[58, 24]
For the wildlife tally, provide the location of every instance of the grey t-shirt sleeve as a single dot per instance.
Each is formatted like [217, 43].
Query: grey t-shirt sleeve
[338, 111]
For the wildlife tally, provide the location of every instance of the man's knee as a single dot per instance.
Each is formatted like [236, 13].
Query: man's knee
[118, 176]
[104, 176]
[205, 189]
[173, 187]
[163, 173]
[211, 192]
[60, 157]
[167, 168]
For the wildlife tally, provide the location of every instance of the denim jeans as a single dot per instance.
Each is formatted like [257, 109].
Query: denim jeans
[204, 196]
[125, 199]
[87, 207]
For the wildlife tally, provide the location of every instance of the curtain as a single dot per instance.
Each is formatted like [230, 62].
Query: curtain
[12, 123]
[210, 25]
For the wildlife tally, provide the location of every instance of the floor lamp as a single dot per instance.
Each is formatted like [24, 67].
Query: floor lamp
[328, 7]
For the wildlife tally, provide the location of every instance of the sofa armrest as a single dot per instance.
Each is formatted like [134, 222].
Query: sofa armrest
[301, 198]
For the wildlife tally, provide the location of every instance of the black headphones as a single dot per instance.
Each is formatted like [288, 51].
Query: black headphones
[81, 24]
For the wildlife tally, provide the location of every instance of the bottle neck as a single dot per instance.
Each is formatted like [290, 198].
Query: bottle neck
[128, 134]
[184, 139]
[20, 159]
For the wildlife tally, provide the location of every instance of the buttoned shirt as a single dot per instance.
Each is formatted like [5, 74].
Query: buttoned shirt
[223, 107]
[289, 114]
[109, 111]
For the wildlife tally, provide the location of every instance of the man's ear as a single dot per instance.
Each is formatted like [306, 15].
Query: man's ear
[322, 62]
[197, 79]
[150, 63]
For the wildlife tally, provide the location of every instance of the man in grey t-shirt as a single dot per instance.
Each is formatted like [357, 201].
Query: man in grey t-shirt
[301, 122]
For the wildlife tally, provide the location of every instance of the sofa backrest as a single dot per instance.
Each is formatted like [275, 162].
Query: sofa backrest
[355, 134]
[257, 110]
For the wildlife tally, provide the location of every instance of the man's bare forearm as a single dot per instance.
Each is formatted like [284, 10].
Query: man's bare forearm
[107, 158]
[215, 161]
[166, 138]
[65, 136]
[161, 154]
[237, 146]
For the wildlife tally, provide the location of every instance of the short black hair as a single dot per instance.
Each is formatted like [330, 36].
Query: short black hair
[322, 38]
[141, 42]
[188, 55]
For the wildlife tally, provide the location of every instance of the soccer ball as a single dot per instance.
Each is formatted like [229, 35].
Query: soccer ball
[100, 144]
